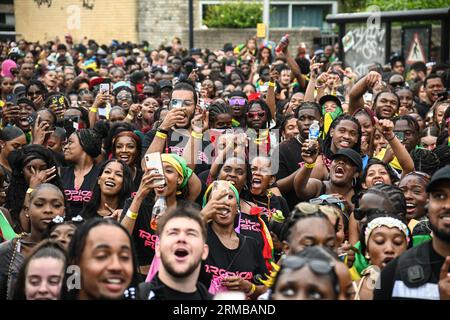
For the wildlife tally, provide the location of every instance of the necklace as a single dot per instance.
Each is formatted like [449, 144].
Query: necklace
[265, 205]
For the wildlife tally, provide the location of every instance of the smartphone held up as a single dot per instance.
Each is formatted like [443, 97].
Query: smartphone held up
[153, 163]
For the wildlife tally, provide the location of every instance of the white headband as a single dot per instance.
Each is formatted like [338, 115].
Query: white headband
[389, 222]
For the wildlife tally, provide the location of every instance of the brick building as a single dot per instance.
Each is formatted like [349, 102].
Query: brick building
[157, 21]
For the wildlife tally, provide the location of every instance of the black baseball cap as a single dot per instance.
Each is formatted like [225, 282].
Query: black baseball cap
[350, 154]
[165, 84]
[441, 174]
[330, 97]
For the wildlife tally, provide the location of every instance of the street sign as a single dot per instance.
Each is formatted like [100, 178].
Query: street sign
[261, 30]
[416, 51]
[416, 41]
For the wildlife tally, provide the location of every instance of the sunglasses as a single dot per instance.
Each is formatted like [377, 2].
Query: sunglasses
[304, 209]
[255, 114]
[317, 266]
[237, 102]
[397, 84]
[328, 201]
[424, 175]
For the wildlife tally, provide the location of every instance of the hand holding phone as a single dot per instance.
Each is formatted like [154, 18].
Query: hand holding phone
[104, 88]
[153, 163]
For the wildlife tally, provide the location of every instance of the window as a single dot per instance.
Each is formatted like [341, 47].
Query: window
[310, 15]
[279, 16]
[297, 14]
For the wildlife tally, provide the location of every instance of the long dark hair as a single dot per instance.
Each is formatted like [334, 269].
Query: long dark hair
[90, 208]
[15, 195]
[137, 140]
[326, 146]
[77, 246]
[45, 249]
[374, 161]
[264, 106]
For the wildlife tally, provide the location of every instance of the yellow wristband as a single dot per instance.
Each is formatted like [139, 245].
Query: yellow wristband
[129, 117]
[310, 165]
[93, 109]
[271, 84]
[197, 135]
[161, 135]
[29, 190]
[252, 290]
[132, 215]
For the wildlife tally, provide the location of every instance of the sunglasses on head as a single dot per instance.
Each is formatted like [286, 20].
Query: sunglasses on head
[424, 175]
[304, 209]
[397, 84]
[328, 201]
[256, 114]
[317, 266]
[237, 102]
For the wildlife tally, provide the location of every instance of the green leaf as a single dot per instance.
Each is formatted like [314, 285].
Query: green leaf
[234, 14]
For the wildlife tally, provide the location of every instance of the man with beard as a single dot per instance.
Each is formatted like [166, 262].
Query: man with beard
[418, 72]
[181, 249]
[423, 271]
[175, 132]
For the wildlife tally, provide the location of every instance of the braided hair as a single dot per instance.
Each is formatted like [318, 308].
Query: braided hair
[326, 146]
[425, 160]
[295, 216]
[216, 109]
[393, 194]
[412, 122]
[308, 105]
[443, 153]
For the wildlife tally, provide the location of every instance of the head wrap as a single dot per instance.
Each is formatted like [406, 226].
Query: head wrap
[208, 191]
[236, 194]
[389, 222]
[180, 166]
[7, 65]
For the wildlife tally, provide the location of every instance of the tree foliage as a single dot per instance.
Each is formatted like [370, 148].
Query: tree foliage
[234, 14]
[392, 5]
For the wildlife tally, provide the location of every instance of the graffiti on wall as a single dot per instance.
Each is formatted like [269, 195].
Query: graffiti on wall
[40, 3]
[87, 4]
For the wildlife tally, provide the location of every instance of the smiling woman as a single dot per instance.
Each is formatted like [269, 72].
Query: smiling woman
[112, 189]
[45, 203]
[126, 146]
[40, 277]
[234, 259]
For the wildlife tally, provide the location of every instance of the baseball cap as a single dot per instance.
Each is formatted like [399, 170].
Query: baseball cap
[350, 154]
[330, 97]
[165, 84]
[441, 174]
[95, 81]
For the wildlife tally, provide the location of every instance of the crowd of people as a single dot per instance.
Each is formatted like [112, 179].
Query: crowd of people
[251, 172]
